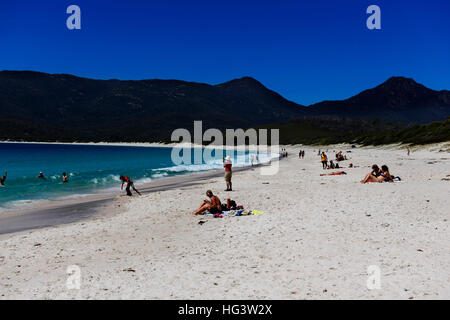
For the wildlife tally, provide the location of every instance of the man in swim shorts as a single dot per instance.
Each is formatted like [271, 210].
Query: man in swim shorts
[130, 184]
[227, 165]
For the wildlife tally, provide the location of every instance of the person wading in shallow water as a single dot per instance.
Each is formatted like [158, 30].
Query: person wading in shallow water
[130, 184]
[227, 165]
[2, 179]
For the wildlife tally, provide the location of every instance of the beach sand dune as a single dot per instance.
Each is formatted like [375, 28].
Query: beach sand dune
[315, 240]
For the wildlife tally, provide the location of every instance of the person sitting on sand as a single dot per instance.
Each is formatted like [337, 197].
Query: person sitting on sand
[40, 175]
[385, 173]
[64, 177]
[340, 156]
[213, 206]
[130, 184]
[2, 179]
[332, 166]
[374, 176]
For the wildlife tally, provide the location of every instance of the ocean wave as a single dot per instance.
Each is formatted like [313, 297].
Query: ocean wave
[160, 175]
[238, 161]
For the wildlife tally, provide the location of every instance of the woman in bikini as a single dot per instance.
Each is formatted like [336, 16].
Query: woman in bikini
[378, 175]
[385, 173]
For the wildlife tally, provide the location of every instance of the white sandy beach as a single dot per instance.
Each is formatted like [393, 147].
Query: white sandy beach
[315, 240]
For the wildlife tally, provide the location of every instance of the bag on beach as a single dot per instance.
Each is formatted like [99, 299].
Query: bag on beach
[231, 204]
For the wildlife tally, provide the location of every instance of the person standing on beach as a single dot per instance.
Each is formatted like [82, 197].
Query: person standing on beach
[130, 184]
[2, 179]
[408, 151]
[227, 165]
[324, 160]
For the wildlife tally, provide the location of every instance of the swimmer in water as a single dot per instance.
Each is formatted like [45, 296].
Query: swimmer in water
[2, 179]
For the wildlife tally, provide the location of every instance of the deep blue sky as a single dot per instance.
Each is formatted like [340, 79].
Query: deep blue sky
[307, 51]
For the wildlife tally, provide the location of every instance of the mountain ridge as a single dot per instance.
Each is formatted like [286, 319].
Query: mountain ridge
[400, 99]
[62, 107]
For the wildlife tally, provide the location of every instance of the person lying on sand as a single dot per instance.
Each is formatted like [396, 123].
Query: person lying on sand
[130, 184]
[2, 179]
[213, 206]
[338, 173]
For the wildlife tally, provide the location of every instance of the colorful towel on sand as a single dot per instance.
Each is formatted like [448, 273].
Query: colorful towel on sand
[238, 213]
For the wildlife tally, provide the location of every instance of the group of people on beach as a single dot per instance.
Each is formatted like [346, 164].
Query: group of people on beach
[379, 175]
[340, 156]
[301, 154]
[227, 164]
[331, 164]
[64, 177]
[213, 205]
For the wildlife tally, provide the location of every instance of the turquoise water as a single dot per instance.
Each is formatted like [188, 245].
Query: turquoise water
[91, 168]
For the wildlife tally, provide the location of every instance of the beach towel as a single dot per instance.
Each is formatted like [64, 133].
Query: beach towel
[248, 212]
[235, 213]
